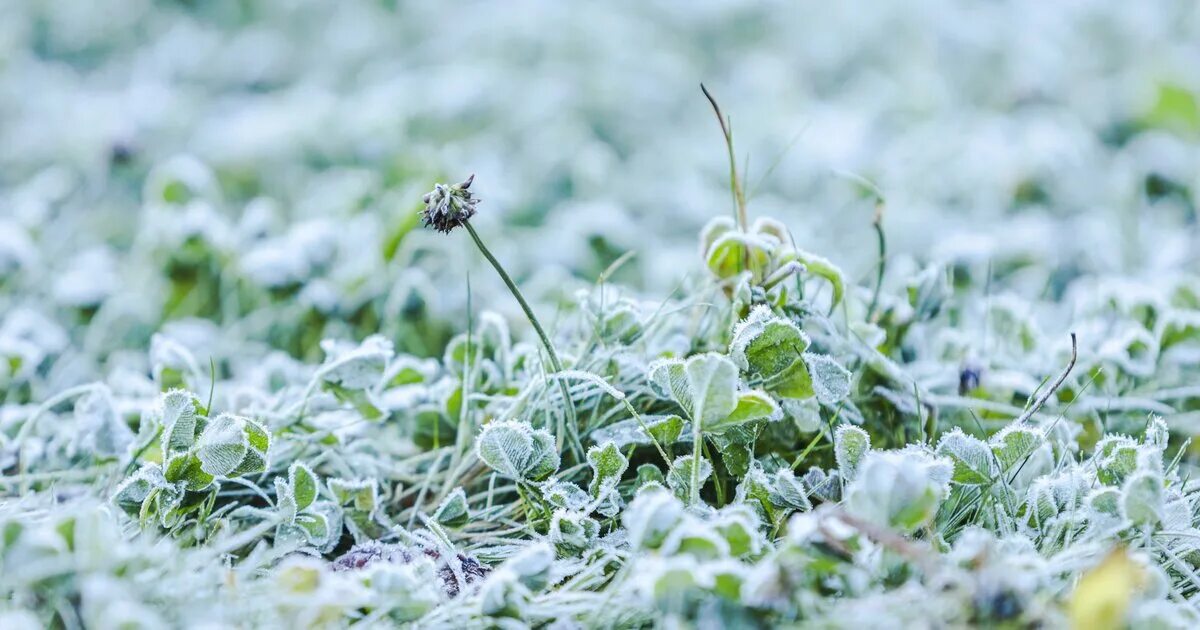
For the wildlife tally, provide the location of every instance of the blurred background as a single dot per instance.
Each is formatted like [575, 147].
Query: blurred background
[246, 174]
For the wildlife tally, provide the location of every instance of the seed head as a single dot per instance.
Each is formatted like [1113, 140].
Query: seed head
[448, 206]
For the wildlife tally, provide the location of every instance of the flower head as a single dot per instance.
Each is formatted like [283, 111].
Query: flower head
[448, 206]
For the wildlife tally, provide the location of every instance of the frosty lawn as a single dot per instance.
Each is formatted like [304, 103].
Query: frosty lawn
[920, 350]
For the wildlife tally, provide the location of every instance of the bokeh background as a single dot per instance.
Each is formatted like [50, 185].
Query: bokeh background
[218, 171]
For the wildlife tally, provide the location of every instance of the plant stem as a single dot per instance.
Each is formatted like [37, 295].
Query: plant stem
[716, 479]
[735, 181]
[696, 444]
[877, 223]
[1041, 400]
[461, 435]
[537, 327]
[235, 542]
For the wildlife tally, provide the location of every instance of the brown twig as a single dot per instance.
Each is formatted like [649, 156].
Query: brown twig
[1041, 400]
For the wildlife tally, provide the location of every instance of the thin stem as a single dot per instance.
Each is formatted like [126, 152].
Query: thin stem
[696, 443]
[735, 181]
[462, 436]
[781, 274]
[537, 327]
[27, 428]
[807, 449]
[620, 396]
[716, 479]
[1041, 400]
[233, 543]
[877, 223]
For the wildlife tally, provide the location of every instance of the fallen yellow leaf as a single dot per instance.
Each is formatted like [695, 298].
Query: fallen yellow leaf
[1103, 594]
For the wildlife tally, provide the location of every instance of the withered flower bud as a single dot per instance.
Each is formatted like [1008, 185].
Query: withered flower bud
[448, 206]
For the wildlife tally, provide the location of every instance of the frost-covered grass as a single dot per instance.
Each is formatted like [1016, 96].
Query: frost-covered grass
[929, 360]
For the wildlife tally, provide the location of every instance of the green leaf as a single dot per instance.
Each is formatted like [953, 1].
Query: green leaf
[821, 267]
[766, 344]
[357, 493]
[166, 506]
[668, 377]
[179, 421]
[755, 491]
[1142, 499]
[453, 512]
[652, 515]
[222, 446]
[517, 450]
[772, 229]
[1176, 109]
[794, 382]
[608, 464]
[358, 368]
[712, 382]
[134, 491]
[253, 462]
[503, 596]
[432, 428]
[649, 473]
[735, 252]
[334, 518]
[850, 445]
[1116, 457]
[666, 430]
[285, 500]
[751, 406]
[456, 354]
[1106, 501]
[698, 541]
[565, 495]
[679, 478]
[360, 399]
[100, 428]
[186, 468]
[304, 485]
[898, 489]
[788, 491]
[830, 381]
[736, 446]
[315, 526]
[1014, 444]
[545, 456]
[572, 532]
[805, 413]
[259, 437]
[714, 229]
[532, 565]
[971, 456]
[621, 323]
[230, 446]
[705, 386]
[928, 290]
[1040, 505]
[407, 374]
[738, 526]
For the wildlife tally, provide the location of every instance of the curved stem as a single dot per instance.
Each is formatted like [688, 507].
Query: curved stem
[735, 180]
[1041, 400]
[537, 327]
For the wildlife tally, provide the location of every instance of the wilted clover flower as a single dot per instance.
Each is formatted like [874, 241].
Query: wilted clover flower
[448, 206]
